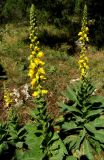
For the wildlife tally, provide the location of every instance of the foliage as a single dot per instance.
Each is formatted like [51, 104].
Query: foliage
[11, 136]
[83, 124]
[41, 140]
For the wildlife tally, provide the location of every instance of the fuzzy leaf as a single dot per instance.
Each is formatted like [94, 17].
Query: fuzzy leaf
[57, 148]
[71, 95]
[90, 128]
[98, 122]
[94, 112]
[87, 150]
[97, 99]
[68, 108]
[69, 125]
[99, 135]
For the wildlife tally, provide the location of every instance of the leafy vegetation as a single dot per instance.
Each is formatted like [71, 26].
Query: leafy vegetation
[76, 132]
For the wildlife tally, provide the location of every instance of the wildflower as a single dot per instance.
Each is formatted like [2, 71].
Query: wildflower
[33, 82]
[83, 61]
[7, 98]
[31, 73]
[40, 54]
[41, 71]
[44, 92]
[36, 94]
[36, 69]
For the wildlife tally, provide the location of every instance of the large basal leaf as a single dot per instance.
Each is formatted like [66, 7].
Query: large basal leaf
[96, 99]
[69, 125]
[71, 140]
[99, 135]
[65, 107]
[87, 150]
[94, 113]
[57, 148]
[98, 122]
[70, 94]
[90, 128]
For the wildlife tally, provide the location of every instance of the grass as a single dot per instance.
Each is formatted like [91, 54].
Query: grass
[61, 68]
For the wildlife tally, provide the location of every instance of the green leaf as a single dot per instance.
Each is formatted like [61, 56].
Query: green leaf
[94, 112]
[98, 122]
[99, 135]
[70, 94]
[97, 99]
[57, 148]
[69, 125]
[87, 149]
[68, 108]
[19, 144]
[90, 128]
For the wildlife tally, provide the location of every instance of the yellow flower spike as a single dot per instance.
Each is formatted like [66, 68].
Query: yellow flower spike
[36, 70]
[7, 98]
[83, 61]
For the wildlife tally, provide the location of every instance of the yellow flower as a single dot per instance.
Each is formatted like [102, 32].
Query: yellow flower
[37, 76]
[80, 33]
[87, 29]
[32, 65]
[31, 46]
[7, 98]
[33, 52]
[31, 73]
[87, 39]
[81, 38]
[44, 91]
[36, 94]
[40, 54]
[33, 82]
[37, 61]
[85, 36]
[36, 48]
[41, 71]
[42, 77]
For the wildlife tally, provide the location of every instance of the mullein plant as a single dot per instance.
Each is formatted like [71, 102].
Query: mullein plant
[41, 140]
[82, 124]
[36, 67]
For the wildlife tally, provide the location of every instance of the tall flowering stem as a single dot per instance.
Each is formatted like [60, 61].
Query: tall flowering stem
[83, 38]
[36, 66]
[7, 97]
